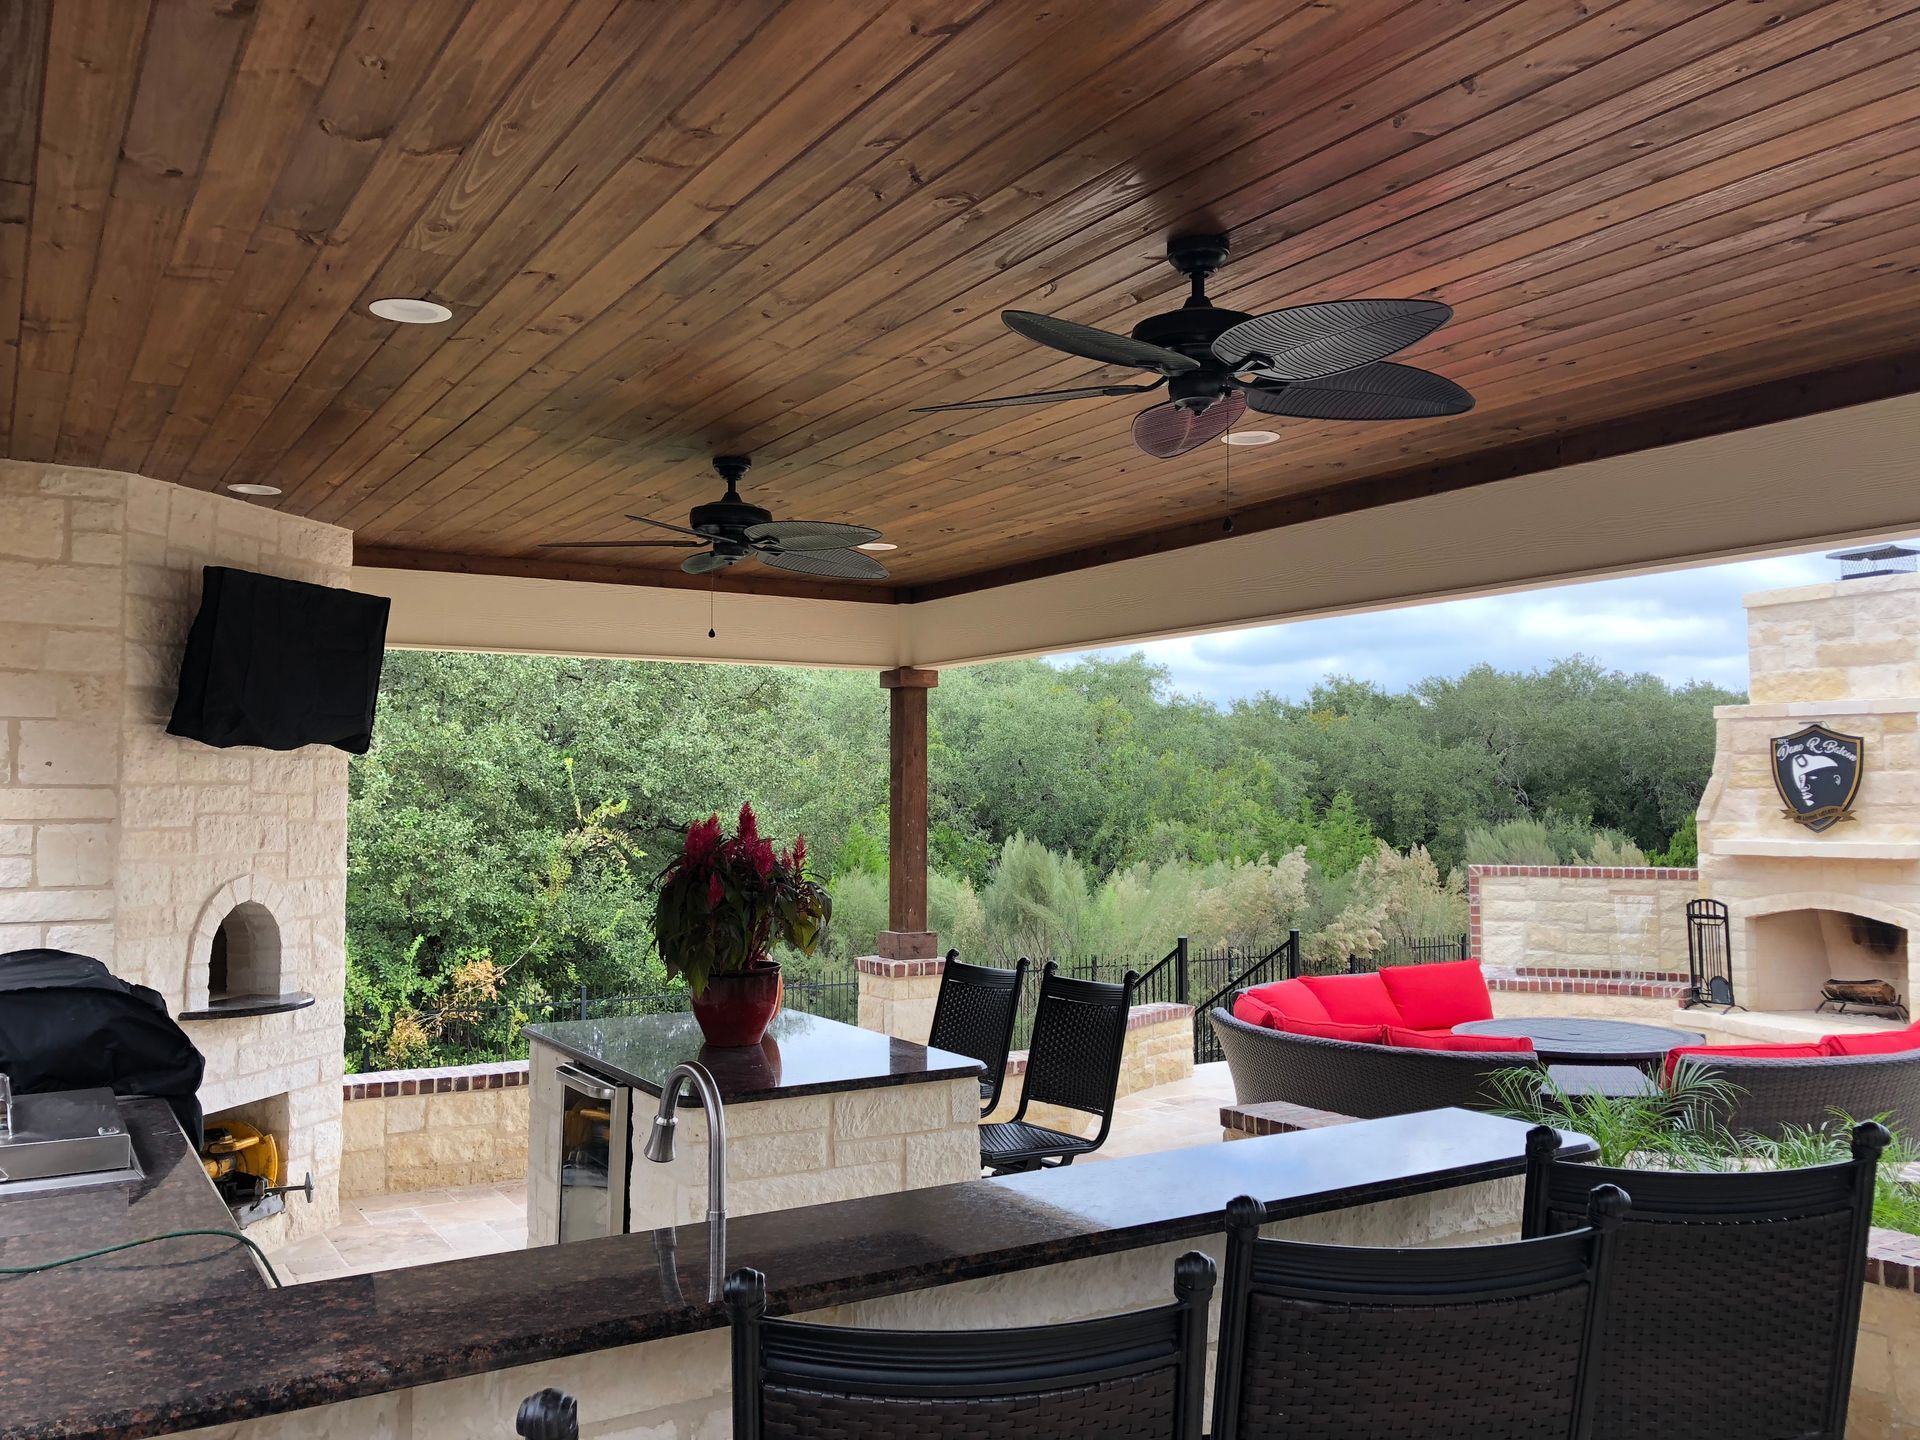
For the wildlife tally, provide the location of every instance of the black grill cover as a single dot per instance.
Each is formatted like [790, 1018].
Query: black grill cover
[67, 1024]
[280, 664]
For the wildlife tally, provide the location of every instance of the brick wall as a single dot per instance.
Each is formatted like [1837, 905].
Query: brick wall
[121, 842]
[1579, 918]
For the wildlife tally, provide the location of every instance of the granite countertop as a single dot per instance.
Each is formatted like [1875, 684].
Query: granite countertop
[802, 1055]
[172, 1194]
[204, 1359]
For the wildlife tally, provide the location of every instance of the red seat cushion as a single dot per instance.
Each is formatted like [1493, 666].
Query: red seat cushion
[1403, 1038]
[1437, 997]
[1256, 1011]
[1744, 1052]
[1291, 997]
[1333, 1030]
[1354, 999]
[1878, 1042]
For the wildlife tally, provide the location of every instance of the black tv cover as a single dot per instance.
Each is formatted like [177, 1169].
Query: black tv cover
[280, 664]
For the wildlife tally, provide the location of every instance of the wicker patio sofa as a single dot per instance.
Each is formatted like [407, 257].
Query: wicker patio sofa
[1772, 1094]
[1366, 1081]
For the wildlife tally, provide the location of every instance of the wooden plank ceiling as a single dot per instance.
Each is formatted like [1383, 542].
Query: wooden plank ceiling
[668, 230]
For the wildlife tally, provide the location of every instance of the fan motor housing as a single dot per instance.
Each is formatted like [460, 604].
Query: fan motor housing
[1190, 330]
[722, 517]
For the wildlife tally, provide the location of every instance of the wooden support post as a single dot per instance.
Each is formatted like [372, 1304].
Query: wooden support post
[906, 936]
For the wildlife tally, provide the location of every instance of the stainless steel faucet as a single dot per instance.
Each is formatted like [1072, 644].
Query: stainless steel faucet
[659, 1149]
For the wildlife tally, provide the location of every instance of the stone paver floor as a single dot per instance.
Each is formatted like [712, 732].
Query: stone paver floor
[386, 1232]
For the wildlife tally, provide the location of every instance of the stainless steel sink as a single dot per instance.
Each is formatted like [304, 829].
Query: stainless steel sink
[61, 1140]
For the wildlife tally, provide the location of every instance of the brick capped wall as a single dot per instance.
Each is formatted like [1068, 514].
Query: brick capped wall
[124, 843]
[1580, 918]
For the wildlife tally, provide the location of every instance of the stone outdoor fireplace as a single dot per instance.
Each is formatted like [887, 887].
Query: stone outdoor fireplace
[217, 877]
[1809, 904]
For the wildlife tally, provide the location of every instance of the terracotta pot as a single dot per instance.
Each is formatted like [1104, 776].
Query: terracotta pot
[735, 1010]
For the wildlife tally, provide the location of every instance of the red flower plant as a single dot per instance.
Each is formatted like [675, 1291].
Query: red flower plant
[723, 901]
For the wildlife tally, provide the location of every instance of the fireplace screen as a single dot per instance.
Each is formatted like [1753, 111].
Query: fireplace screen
[1709, 955]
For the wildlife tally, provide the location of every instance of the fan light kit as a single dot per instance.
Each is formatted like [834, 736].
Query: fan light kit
[1312, 362]
[729, 530]
[1250, 437]
[245, 489]
[877, 545]
[411, 312]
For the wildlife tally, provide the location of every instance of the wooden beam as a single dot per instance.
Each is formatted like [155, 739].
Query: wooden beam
[1857, 384]
[906, 936]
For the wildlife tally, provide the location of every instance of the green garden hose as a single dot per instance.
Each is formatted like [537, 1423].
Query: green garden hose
[272, 1274]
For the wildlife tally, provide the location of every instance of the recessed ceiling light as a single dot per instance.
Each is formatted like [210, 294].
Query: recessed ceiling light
[254, 489]
[411, 312]
[1251, 437]
[877, 545]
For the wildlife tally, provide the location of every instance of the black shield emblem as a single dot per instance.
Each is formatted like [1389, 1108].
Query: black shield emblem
[1817, 772]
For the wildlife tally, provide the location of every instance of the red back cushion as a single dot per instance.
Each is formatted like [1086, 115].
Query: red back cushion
[1878, 1042]
[1405, 1039]
[1255, 1011]
[1354, 999]
[1291, 998]
[1437, 997]
[1744, 1052]
[1333, 1030]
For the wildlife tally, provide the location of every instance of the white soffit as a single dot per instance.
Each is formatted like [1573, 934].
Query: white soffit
[1823, 479]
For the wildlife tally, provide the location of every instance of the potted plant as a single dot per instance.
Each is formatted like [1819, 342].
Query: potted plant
[721, 904]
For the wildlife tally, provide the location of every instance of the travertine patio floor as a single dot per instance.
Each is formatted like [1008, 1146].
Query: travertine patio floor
[386, 1232]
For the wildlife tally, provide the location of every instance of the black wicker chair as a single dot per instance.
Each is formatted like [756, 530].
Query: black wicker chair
[974, 1016]
[1335, 1342]
[1736, 1297]
[1770, 1095]
[1123, 1377]
[1073, 1061]
[1366, 1081]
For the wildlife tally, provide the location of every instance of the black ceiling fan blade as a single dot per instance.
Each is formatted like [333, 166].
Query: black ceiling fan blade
[677, 529]
[829, 564]
[811, 534]
[1383, 391]
[707, 563]
[1042, 397]
[621, 545]
[1307, 342]
[1091, 344]
[1166, 430]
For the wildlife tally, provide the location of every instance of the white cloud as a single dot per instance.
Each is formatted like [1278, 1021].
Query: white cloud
[1681, 625]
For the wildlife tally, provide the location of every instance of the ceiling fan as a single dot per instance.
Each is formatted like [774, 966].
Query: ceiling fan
[729, 530]
[1312, 362]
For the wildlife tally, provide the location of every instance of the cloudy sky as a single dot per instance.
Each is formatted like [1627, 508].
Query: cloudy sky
[1682, 625]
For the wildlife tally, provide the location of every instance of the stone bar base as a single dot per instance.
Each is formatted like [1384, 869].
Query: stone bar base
[679, 1388]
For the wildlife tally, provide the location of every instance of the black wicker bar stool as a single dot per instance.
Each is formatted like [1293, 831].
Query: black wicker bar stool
[1137, 1376]
[974, 1016]
[1334, 1342]
[1073, 1061]
[1736, 1297]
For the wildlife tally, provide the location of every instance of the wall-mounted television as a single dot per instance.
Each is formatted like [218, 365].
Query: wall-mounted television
[279, 664]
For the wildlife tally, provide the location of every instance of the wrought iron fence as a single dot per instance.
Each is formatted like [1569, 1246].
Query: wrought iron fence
[466, 1035]
[1431, 950]
[1282, 962]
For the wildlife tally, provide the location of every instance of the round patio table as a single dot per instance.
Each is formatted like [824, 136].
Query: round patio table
[1587, 1042]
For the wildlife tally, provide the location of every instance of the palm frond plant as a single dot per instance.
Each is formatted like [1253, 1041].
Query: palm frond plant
[1896, 1194]
[1672, 1126]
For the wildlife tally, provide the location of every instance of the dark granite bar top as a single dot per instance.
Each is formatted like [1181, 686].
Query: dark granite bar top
[802, 1055]
[172, 1194]
[203, 1360]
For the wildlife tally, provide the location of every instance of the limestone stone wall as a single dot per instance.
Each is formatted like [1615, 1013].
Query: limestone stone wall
[897, 996]
[1577, 917]
[406, 1130]
[119, 841]
[678, 1389]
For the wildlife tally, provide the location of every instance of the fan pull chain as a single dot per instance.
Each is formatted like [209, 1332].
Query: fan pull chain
[1227, 524]
[712, 585]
